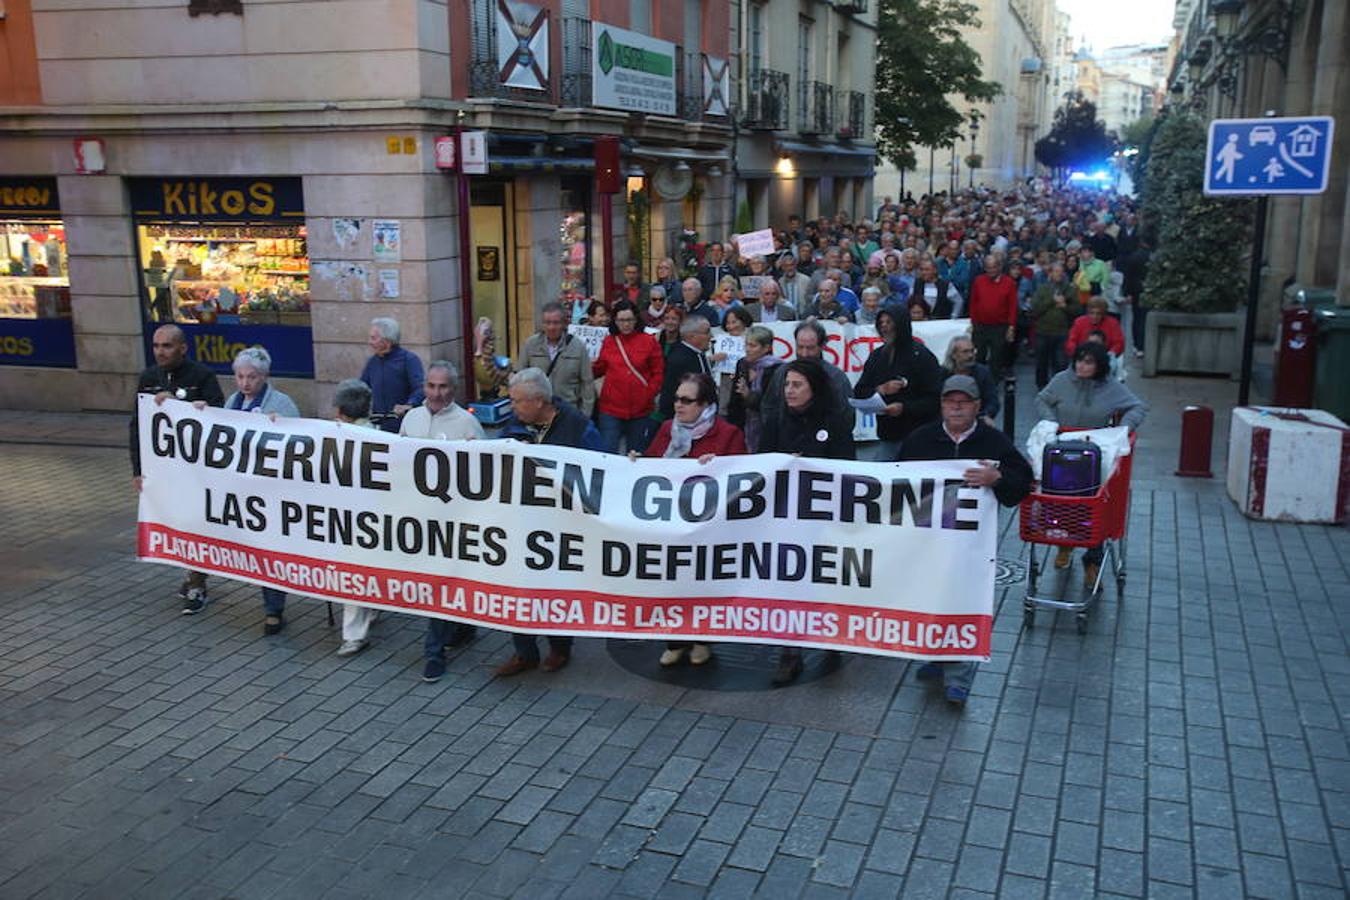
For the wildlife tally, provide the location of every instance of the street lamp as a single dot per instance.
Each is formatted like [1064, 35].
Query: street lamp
[974, 133]
[1226, 15]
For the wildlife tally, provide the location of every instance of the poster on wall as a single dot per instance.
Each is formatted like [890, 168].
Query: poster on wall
[389, 284]
[489, 264]
[386, 235]
[632, 71]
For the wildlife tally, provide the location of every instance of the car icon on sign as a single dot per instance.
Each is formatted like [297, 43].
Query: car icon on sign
[1261, 134]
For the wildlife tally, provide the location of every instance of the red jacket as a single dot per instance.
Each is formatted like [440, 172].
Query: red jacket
[993, 302]
[624, 395]
[723, 439]
[1082, 326]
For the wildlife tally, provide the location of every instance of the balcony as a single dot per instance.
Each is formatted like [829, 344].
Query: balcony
[768, 101]
[815, 110]
[576, 68]
[852, 107]
[850, 6]
[689, 84]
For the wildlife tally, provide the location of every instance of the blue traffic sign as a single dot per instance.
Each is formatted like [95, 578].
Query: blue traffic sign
[1268, 156]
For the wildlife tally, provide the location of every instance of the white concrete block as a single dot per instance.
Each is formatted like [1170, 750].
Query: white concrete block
[1289, 465]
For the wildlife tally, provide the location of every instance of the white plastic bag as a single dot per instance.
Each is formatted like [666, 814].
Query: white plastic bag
[1115, 443]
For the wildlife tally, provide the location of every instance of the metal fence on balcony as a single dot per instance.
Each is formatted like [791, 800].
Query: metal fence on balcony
[767, 101]
[689, 84]
[815, 108]
[852, 107]
[576, 68]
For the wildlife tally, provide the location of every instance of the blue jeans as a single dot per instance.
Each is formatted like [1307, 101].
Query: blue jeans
[274, 602]
[527, 648]
[636, 433]
[439, 633]
[959, 674]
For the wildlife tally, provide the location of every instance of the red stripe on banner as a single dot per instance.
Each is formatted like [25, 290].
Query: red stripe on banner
[1260, 462]
[880, 630]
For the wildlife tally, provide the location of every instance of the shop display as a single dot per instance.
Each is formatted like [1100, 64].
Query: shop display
[255, 274]
[572, 234]
[32, 280]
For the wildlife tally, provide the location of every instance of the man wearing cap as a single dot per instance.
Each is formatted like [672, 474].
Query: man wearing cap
[961, 435]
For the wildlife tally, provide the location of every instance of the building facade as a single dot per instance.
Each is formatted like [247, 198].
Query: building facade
[1018, 42]
[805, 140]
[266, 172]
[1291, 60]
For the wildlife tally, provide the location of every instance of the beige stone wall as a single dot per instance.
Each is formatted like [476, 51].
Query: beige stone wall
[97, 52]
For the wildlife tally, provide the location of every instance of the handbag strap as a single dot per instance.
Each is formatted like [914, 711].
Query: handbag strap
[553, 363]
[628, 362]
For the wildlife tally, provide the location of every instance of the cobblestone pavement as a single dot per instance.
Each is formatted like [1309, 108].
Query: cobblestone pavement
[1192, 743]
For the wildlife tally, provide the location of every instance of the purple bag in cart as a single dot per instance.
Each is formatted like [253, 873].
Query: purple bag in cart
[1071, 468]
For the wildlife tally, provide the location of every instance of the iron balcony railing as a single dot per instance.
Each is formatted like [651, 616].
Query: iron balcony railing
[852, 106]
[767, 101]
[815, 108]
[576, 70]
[522, 76]
[689, 84]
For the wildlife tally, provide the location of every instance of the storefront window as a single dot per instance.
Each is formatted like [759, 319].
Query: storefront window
[35, 322]
[226, 259]
[574, 240]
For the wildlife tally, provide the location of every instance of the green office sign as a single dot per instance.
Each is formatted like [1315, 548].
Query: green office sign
[632, 71]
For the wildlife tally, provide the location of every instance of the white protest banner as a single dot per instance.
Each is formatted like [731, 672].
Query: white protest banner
[847, 347]
[731, 348]
[752, 286]
[590, 335]
[755, 243]
[894, 559]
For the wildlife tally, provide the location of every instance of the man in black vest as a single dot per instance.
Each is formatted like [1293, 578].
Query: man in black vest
[711, 274]
[174, 376]
[538, 417]
[1000, 466]
[939, 295]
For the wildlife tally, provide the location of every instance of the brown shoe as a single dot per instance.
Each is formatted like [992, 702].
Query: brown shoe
[555, 661]
[1090, 571]
[1063, 557]
[515, 665]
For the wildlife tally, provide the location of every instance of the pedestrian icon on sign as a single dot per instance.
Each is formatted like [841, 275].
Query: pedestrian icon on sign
[1228, 159]
[1273, 170]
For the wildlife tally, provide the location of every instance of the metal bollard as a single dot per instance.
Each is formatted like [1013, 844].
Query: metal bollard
[1010, 405]
[1197, 440]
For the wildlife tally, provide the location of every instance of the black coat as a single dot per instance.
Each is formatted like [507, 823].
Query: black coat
[908, 359]
[709, 276]
[817, 433]
[196, 382]
[680, 361]
[931, 441]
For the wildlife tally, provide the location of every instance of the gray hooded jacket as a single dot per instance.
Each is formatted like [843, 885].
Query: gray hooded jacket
[1088, 403]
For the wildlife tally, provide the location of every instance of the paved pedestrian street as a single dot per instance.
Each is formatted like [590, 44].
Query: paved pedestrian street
[1192, 744]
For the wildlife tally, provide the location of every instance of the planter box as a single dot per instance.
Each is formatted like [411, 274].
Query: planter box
[1194, 343]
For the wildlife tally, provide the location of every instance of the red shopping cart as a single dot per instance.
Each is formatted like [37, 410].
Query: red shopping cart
[1055, 520]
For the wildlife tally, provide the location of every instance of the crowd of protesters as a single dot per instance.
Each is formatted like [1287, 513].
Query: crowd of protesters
[1048, 273]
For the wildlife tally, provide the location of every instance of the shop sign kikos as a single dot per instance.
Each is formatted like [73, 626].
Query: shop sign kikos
[893, 560]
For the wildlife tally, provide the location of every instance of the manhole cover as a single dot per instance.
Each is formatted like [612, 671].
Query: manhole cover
[1009, 571]
[734, 667]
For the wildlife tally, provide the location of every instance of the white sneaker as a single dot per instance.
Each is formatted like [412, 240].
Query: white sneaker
[700, 654]
[672, 656]
[351, 648]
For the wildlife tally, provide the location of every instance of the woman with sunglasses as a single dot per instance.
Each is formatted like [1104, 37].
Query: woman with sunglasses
[696, 432]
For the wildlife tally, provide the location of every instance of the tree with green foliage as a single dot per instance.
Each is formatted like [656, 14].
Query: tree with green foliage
[1135, 141]
[921, 62]
[1200, 242]
[1077, 138]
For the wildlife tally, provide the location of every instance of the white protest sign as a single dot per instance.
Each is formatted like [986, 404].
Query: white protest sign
[590, 335]
[732, 349]
[895, 559]
[756, 243]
